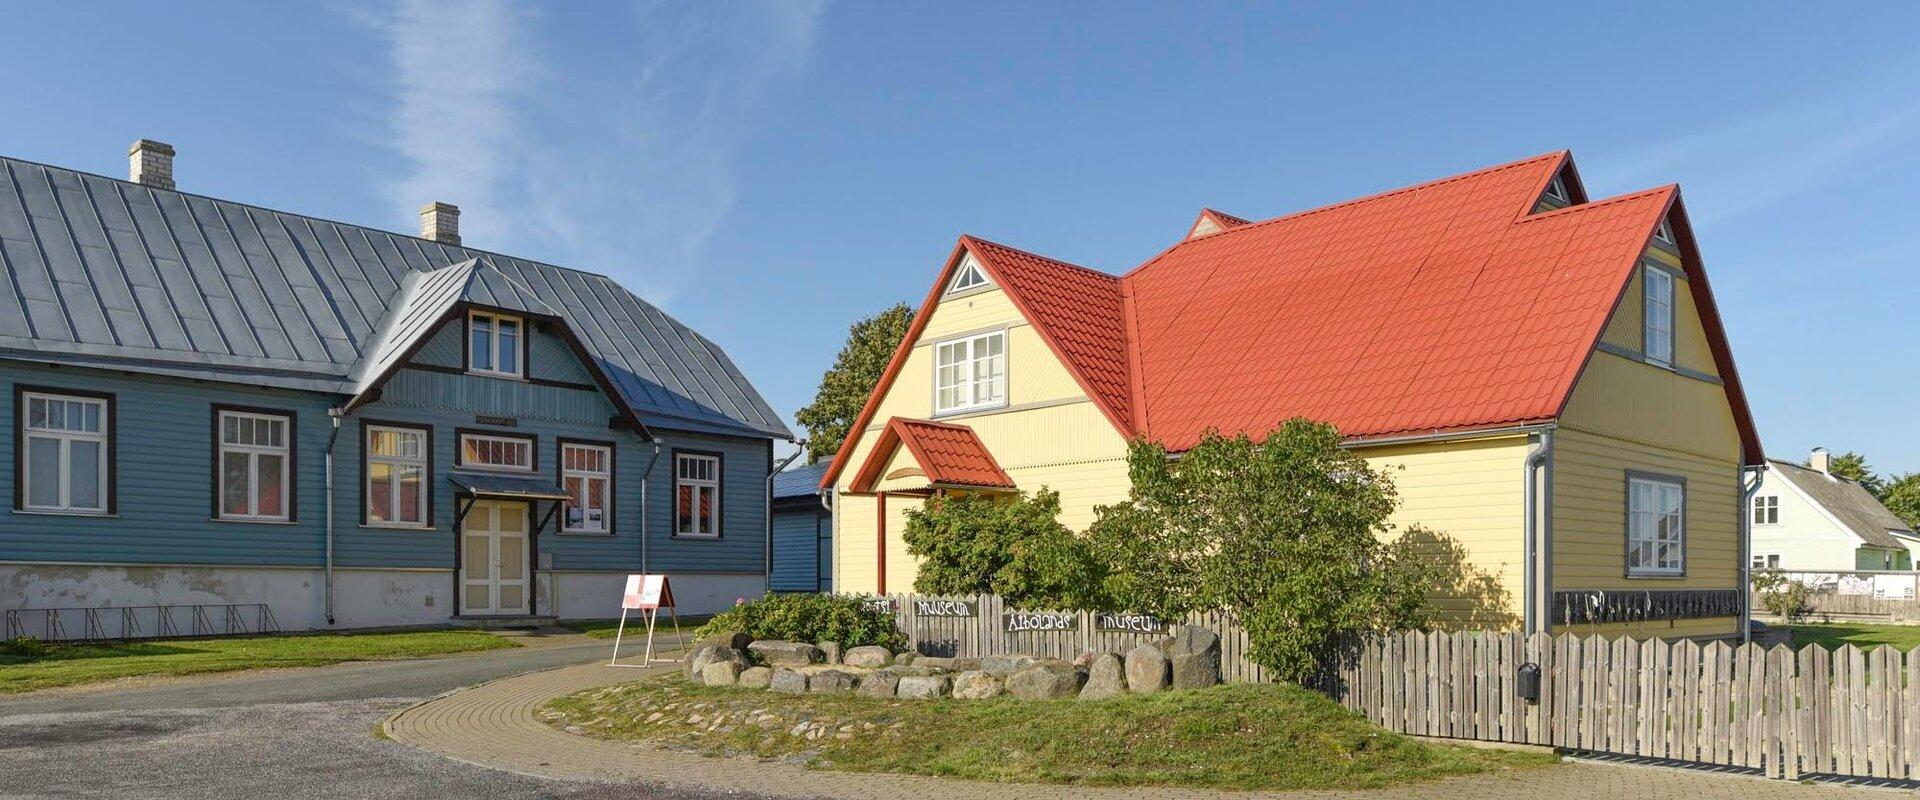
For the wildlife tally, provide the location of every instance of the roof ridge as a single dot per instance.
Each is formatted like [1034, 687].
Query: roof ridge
[328, 220]
[1355, 201]
[1593, 204]
[1031, 254]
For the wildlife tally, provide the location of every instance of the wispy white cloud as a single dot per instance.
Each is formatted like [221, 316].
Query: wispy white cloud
[461, 75]
[1768, 156]
[619, 158]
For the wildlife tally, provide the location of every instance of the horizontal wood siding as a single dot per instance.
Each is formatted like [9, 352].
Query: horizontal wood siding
[798, 534]
[164, 440]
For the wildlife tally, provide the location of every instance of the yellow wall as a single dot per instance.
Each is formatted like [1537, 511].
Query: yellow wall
[1625, 414]
[1049, 435]
[1689, 336]
[1466, 500]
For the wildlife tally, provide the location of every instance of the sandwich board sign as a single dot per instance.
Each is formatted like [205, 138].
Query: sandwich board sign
[646, 594]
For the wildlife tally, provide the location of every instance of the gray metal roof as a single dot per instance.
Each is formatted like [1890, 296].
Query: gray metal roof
[515, 487]
[800, 481]
[1848, 502]
[102, 272]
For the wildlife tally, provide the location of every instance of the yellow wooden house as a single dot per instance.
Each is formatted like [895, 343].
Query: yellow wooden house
[1545, 376]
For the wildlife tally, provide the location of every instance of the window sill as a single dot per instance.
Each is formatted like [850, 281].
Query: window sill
[48, 512]
[695, 537]
[375, 526]
[249, 521]
[505, 376]
[1656, 576]
[959, 412]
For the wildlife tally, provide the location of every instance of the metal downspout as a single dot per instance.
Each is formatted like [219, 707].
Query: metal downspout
[800, 446]
[1747, 490]
[336, 414]
[1535, 489]
[646, 477]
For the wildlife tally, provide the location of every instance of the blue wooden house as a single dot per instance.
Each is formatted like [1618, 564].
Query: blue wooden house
[216, 404]
[802, 531]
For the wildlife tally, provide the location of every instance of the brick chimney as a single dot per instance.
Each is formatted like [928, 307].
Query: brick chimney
[150, 163]
[1820, 461]
[441, 223]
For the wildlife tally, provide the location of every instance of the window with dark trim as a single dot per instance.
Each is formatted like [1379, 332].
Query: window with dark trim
[497, 451]
[1656, 525]
[696, 495]
[396, 470]
[63, 450]
[494, 344]
[253, 471]
[1657, 331]
[586, 472]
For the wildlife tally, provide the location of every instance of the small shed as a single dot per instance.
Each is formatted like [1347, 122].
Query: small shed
[802, 531]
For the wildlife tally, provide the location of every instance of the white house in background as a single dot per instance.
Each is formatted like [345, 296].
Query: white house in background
[1807, 519]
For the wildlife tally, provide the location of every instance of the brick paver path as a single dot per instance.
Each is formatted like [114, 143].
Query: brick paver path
[494, 725]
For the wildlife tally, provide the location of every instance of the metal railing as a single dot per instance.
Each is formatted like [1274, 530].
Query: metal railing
[79, 624]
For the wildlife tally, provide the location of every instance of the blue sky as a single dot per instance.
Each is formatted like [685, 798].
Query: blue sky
[770, 172]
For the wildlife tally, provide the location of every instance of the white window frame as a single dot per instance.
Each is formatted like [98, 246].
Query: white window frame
[66, 437]
[1664, 233]
[496, 344]
[394, 463]
[1643, 525]
[968, 276]
[967, 369]
[1656, 329]
[1557, 190]
[1765, 561]
[604, 475]
[699, 487]
[460, 451]
[1766, 509]
[252, 453]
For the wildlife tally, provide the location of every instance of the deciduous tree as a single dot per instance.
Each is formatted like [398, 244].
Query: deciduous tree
[845, 386]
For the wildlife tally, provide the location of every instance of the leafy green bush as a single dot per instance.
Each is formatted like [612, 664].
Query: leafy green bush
[1788, 599]
[809, 618]
[24, 648]
[1010, 545]
[1284, 533]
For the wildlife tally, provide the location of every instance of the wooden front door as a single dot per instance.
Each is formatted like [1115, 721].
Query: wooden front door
[493, 559]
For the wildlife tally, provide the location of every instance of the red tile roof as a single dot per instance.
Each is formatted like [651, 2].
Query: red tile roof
[1444, 306]
[950, 455]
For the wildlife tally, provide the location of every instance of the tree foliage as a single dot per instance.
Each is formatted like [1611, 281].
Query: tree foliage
[1286, 533]
[855, 372]
[1788, 599]
[1010, 545]
[1902, 497]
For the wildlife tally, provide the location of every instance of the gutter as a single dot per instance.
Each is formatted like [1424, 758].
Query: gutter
[336, 415]
[800, 446]
[1538, 502]
[1747, 490]
[1448, 436]
[646, 477]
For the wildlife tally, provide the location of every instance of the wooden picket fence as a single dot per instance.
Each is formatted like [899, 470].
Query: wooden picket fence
[935, 626]
[1785, 713]
[1788, 714]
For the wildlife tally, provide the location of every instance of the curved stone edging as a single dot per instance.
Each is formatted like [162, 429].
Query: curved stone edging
[495, 725]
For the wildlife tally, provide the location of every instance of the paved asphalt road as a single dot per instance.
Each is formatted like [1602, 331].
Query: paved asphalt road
[284, 734]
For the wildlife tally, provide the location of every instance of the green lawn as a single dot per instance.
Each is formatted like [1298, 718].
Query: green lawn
[1272, 737]
[604, 628]
[1861, 635]
[65, 664]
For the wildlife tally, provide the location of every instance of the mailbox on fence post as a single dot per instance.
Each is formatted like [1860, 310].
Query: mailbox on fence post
[1528, 683]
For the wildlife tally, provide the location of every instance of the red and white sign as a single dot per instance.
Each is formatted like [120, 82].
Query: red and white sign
[647, 592]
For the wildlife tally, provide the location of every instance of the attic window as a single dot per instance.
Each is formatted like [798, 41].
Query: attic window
[1557, 190]
[494, 344]
[1664, 233]
[968, 276]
